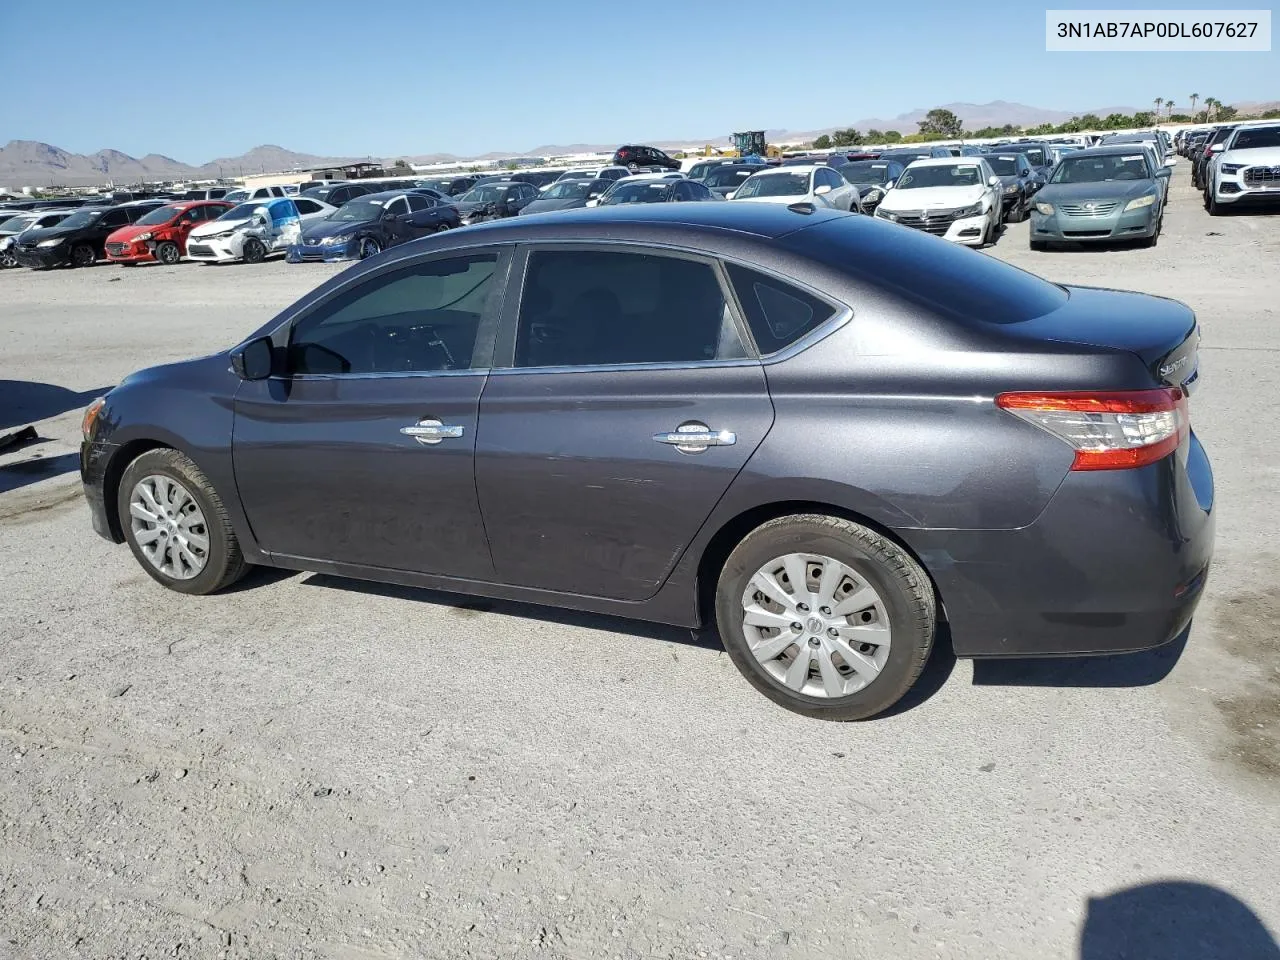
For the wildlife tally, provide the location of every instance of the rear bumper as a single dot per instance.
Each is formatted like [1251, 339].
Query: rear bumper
[1116, 563]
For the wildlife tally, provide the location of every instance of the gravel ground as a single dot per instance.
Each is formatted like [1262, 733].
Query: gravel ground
[313, 767]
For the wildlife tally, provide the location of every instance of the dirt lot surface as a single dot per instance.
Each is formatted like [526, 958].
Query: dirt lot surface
[313, 767]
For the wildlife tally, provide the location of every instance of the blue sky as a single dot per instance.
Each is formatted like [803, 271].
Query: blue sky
[199, 80]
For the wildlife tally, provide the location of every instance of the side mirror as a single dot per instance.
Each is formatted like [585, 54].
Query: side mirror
[593, 203]
[889, 184]
[1217, 148]
[994, 181]
[1165, 172]
[253, 360]
[729, 195]
[821, 191]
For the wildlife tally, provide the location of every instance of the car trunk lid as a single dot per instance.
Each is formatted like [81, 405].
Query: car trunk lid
[1162, 332]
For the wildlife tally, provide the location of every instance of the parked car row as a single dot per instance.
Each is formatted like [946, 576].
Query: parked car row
[1236, 164]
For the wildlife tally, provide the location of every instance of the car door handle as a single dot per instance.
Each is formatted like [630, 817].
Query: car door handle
[695, 437]
[432, 431]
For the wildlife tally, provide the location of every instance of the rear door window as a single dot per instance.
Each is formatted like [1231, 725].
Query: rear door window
[591, 308]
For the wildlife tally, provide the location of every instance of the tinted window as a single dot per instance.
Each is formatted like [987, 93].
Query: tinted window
[419, 202]
[306, 206]
[398, 207]
[421, 318]
[777, 313]
[118, 218]
[943, 278]
[583, 308]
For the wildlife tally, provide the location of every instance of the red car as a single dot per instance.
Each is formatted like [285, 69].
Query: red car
[162, 234]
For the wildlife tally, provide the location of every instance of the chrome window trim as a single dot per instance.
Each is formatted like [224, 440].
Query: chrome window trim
[382, 374]
[627, 367]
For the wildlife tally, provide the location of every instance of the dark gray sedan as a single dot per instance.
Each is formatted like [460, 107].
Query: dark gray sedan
[822, 434]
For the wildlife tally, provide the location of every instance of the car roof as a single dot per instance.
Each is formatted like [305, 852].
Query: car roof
[944, 161]
[763, 220]
[1108, 149]
[793, 168]
[387, 195]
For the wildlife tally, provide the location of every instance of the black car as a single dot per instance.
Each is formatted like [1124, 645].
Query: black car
[453, 186]
[740, 414]
[567, 195]
[702, 168]
[367, 225]
[1200, 162]
[78, 240]
[494, 200]
[728, 177]
[873, 178]
[539, 178]
[337, 194]
[1038, 157]
[634, 156]
[656, 190]
[1018, 183]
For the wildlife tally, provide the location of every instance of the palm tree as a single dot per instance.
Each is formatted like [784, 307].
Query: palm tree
[1209, 104]
[1194, 98]
[1169, 106]
[1158, 102]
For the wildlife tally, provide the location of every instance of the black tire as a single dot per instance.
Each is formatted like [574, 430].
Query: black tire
[1152, 240]
[82, 255]
[168, 253]
[1212, 205]
[225, 563]
[1017, 213]
[902, 585]
[253, 251]
[369, 247]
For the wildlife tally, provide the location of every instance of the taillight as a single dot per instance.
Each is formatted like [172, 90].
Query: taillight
[1108, 430]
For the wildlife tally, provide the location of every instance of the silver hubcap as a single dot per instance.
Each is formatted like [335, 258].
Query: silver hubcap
[169, 527]
[367, 249]
[815, 625]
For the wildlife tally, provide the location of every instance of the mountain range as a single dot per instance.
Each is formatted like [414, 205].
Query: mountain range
[30, 162]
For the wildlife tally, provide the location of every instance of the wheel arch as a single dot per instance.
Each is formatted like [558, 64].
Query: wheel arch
[734, 530]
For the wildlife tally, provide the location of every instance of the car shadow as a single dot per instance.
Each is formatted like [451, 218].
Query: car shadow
[15, 476]
[1173, 920]
[1117, 670]
[26, 401]
[468, 606]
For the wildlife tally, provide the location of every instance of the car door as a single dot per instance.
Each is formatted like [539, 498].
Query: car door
[186, 222]
[393, 223]
[425, 215]
[360, 449]
[111, 221]
[622, 404]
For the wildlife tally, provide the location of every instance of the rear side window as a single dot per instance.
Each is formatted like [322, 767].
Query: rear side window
[777, 313]
[945, 279]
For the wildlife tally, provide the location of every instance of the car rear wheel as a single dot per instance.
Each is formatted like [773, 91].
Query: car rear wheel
[825, 617]
[82, 255]
[254, 251]
[176, 525]
[168, 253]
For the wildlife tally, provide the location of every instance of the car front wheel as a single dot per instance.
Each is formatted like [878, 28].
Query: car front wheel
[825, 617]
[176, 525]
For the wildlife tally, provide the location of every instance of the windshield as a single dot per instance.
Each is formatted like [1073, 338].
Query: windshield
[700, 170]
[945, 175]
[1003, 166]
[568, 190]
[774, 185]
[242, 212]
[727, 176]
[485, 193]
[1113, 166]
[357, 211]
[644, 191]
[82, 218]
[14, 224]
[578, 174]
[865, 171]
[159, 215]
[1253, 139]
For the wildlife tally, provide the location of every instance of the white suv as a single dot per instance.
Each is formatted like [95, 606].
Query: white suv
[1247, 170]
